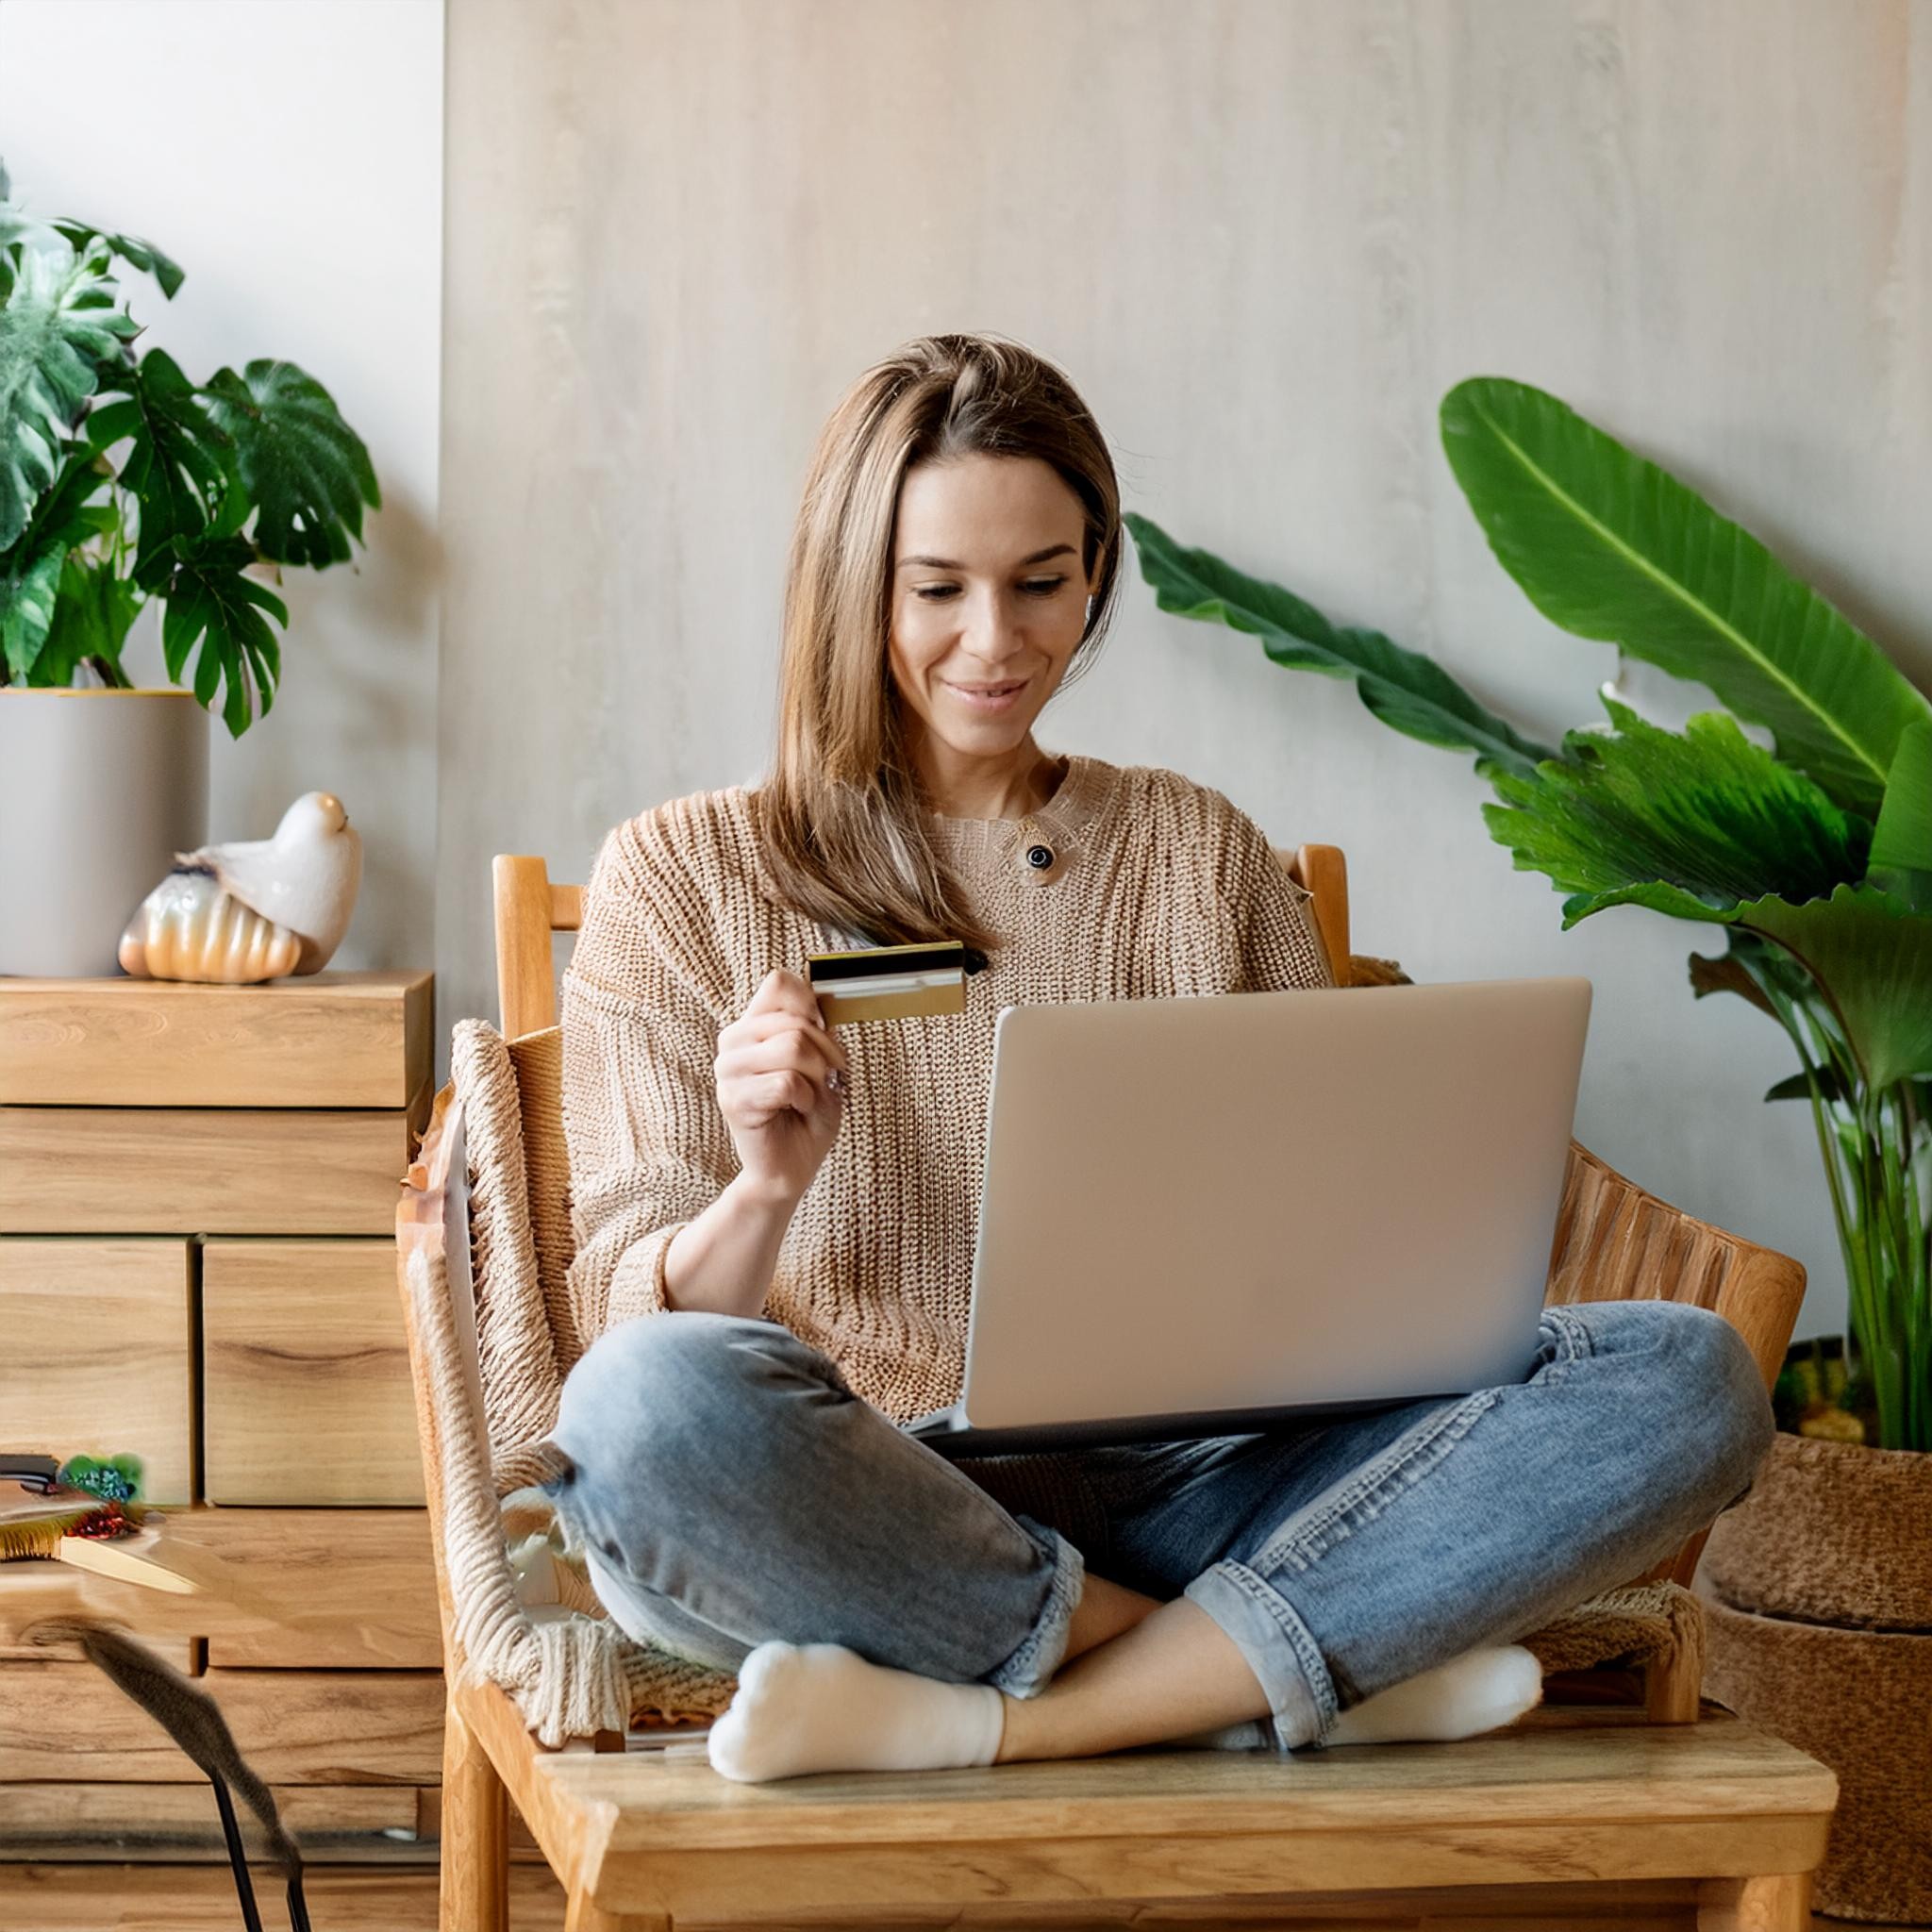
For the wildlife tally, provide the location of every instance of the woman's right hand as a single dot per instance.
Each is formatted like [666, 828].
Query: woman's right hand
[771, 1070]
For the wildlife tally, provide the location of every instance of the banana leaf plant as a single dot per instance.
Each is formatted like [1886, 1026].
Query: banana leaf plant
[1815, 856]
[84, 543]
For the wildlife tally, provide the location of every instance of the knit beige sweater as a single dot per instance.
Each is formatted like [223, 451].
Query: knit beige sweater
[1157, 888]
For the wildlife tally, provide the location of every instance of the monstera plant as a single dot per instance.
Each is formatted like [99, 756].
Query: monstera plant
[1814, 857]
[122, 482]
[200, 461]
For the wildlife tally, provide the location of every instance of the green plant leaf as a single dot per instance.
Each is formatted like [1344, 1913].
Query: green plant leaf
[211, 600]
[177, 466]
[92, 616]
[28, 587]
[304, 467]
[1902, 840]
[1611, 546]
[132, 250]
[1401, 687]
[1873, 955]
[1691, 823]
[57, 332]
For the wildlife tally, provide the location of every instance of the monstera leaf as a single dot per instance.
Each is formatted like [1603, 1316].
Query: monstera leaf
[1689, 823]
[57, 331]
[179, 466]
[1400, 687]
[1611, 546]
[208, 599]
[305, 468]
[31, 573]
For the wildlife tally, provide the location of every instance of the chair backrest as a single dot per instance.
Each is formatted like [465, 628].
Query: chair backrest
[1613, 1242]
[530, 907]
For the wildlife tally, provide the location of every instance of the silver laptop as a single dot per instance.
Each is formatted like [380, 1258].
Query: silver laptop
[1204, 1216]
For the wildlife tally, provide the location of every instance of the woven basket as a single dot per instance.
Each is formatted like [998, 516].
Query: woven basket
[1818, 1596]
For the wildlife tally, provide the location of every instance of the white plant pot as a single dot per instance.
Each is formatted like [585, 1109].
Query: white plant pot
[98, 791]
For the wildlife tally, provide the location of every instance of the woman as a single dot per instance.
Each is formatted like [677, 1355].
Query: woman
[792, 1212]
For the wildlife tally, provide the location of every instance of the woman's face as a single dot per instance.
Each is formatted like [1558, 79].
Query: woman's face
[987, 590]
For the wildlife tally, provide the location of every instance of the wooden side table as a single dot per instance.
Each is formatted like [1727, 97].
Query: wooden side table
[197, 1265]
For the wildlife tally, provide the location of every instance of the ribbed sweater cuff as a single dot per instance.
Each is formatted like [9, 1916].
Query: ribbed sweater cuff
[637, 1283]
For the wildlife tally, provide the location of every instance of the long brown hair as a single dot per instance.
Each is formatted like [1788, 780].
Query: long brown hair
[841, 822]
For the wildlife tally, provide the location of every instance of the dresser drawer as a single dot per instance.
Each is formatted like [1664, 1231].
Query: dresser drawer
[65, 1721]
[316, 1589]
[328, 1039]
[305, 1393]
[202, 1170]
[97, 1360]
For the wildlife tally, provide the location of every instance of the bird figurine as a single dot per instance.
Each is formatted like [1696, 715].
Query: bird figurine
[255, 909]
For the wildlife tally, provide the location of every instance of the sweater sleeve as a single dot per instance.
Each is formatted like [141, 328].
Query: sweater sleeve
[649, 1149]
[1276, 943]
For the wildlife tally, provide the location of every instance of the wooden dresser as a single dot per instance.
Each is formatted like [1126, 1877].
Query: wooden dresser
[198, 1187]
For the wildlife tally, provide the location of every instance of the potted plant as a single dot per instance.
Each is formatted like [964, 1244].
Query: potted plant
[101, 784]
[1814, 857]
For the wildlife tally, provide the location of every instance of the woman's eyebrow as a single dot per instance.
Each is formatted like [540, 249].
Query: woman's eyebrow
[947, 563]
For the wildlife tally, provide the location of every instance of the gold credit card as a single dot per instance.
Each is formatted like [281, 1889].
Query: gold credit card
[890, 982]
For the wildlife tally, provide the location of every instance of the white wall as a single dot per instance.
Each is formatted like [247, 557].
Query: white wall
[1263, 236]
[289, 156]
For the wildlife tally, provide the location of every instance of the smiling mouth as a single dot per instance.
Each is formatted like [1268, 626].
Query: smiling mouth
[991, 690]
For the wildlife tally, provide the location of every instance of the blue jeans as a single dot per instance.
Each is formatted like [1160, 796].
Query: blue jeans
[729, 1488]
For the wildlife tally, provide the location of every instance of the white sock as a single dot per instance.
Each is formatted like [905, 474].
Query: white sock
[1470, 1694]
[820, 1706]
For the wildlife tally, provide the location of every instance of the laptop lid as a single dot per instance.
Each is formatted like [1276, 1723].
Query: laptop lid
[1255, 1205]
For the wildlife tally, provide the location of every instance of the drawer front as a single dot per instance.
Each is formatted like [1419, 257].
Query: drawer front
[96, 1360]
[163, 1170]
[298, 1590]
[352, 1039]
[305, 1393]
[356, 1588]
[66, 1721]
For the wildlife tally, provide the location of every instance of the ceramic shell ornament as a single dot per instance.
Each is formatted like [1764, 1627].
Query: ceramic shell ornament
[259, 909]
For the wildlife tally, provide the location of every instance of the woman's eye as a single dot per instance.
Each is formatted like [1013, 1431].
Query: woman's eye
[1036, 587]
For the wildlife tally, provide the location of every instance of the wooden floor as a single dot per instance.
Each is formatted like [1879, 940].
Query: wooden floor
[201, 1898]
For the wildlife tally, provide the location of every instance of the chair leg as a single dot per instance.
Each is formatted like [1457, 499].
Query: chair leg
[1778, 1903]
[1672, 1688]
[476, 1834]
[587, 1915]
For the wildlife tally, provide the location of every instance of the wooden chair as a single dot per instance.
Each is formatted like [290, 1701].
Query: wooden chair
[1607, 1801]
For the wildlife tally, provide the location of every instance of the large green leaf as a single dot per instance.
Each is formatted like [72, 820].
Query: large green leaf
[1689, 823]
[56, 332]
[1902, 840]
[1611, 546]
[1873, 955]
[210, 599]
[1402, 687]
[178, 467]
[305, 468]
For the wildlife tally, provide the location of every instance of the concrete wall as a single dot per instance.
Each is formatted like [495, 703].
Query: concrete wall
[1263, 236]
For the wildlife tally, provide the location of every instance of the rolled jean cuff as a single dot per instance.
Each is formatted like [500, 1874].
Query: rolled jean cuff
[1277, 1648]
[1030, 1667]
